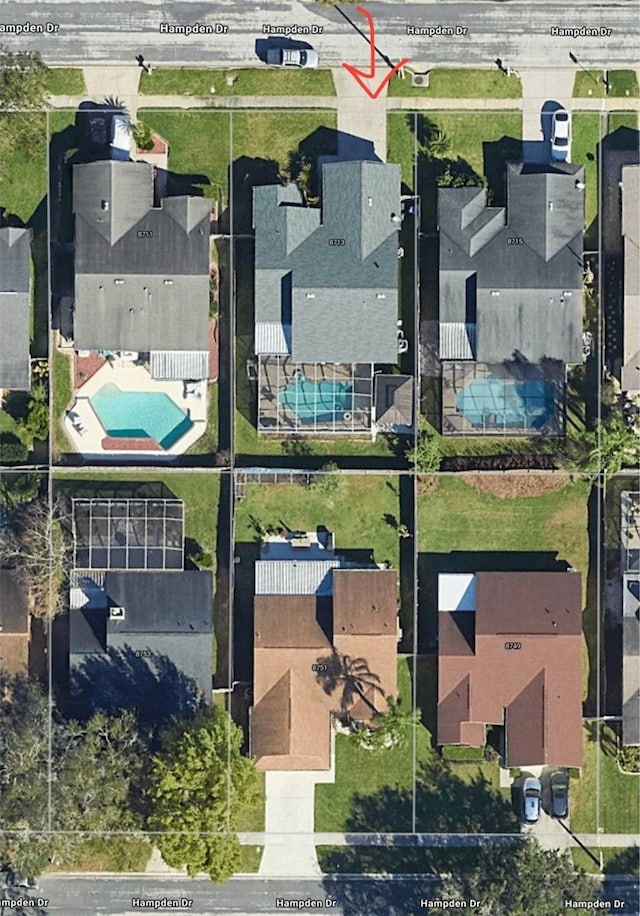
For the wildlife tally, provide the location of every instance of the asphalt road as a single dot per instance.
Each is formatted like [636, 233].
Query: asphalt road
[116, 896]
[346, 896]
[516, 31]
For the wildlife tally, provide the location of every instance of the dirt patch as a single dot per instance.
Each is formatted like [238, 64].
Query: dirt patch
[508, 486]
[428, 483]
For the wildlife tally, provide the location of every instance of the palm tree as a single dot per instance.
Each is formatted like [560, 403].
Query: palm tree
[352, 676]
[438, 145]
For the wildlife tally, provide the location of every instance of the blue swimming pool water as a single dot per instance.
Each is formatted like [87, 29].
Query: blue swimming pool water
[140, 415]
[518, 404]
[320, 402]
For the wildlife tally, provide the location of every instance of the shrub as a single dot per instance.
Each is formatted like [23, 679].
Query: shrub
[206, 560]
[629, 759]
[461, 754]
[12, 449]
[142, 136]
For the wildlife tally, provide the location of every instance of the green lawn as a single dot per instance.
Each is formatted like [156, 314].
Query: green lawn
[113, 853]
[23, 174]
[208, 444]
[361, 773]
[457, 516]
[356, 512]
[460, 84]
[61, 367]
[65, 81]
[616, 860]
[272, 135]
[250, 857]
[587, 132]
[198, 149]
[623, 119]
[256, 81]
[623, 83]
[401, 143]
[588, 84]
[250, 818]
[200, 492]
[619, 794]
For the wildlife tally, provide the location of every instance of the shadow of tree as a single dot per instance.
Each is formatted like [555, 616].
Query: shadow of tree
[121, 679]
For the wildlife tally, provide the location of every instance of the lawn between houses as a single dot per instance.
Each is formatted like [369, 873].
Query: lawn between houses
[604, 798]
[374, 791]
[460, 83]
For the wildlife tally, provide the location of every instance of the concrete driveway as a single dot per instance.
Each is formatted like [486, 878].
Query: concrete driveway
[550, 832]
[289, 849]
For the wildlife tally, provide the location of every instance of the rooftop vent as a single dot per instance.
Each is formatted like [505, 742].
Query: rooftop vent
[311, 295]
[168, 282]
[370, 201]
[118, 281]
[381, 296]
[116, 613]
[551, 205]
[495, 292]
[104, 204]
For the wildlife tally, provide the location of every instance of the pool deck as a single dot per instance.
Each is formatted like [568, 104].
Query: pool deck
[88, 436]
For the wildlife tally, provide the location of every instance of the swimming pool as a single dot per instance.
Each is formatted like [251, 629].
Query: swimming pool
[320, 402]
[140, 415]
[500, 403]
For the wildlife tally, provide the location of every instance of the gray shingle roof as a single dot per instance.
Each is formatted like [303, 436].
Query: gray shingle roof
[340, 300]
[169, 614]
[525, 299]
[15, 258]
[158, 256]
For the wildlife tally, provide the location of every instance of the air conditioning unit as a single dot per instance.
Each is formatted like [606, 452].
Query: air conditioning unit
[116, 613]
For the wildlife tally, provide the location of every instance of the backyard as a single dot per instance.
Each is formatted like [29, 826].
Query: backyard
[588, 130]
[486, 522]
[200, 492]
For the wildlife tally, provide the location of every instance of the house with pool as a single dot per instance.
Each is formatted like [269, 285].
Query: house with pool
[327, 329]
[511, 301]
[144, 346]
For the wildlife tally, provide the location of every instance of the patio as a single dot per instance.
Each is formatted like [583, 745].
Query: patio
[308, 398]
[89, 436]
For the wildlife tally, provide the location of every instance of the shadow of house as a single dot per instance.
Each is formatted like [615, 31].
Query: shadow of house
[495, 155]
[246, 173]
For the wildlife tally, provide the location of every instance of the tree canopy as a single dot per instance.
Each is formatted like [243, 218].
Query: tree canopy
[198, 781]
[62, 775]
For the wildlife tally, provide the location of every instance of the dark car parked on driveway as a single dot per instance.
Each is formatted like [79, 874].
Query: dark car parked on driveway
[559, 794]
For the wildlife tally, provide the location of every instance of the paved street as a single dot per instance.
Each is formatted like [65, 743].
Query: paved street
[349, 895]
[518, 32]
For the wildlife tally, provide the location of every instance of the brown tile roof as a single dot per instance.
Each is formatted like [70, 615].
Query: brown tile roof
[294, 621]
[529, 602]
[290, 721]
[290, 726]
[365, 601]
[536, 689]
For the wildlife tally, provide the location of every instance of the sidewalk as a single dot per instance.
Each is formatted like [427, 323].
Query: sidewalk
[349, 111]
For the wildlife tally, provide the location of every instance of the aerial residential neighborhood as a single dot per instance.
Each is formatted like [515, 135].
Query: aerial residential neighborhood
[319, 463]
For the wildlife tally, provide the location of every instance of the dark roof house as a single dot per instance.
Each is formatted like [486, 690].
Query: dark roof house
[341, 614]
[510, 655]
[147, 612]
[511, 277]
[142, 272]
[326, 278]
[15, 260]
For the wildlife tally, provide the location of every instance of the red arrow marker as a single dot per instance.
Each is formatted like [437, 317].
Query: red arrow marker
[360, 75]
